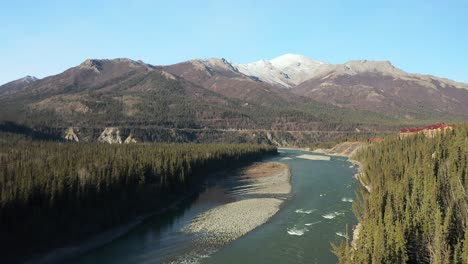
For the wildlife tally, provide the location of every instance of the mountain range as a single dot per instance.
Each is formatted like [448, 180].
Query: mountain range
[290, 92]
[360, 84]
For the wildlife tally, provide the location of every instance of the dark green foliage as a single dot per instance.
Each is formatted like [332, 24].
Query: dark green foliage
[55, 193]
[41, 133]
[417, 209]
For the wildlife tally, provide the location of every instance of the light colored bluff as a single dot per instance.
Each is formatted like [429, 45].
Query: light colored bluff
[70, 135]
[110, 135]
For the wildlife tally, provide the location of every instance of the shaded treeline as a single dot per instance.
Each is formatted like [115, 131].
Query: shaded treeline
[417, 209]
[37, 133]
[52, 194]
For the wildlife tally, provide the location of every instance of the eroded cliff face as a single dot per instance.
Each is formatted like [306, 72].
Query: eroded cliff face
[280, 138]
[130, 139]
[70, 135]
[110, 135]
[347, 149]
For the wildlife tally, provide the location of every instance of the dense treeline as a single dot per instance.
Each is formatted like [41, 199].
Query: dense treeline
[8, 129]
[55, 193]
[416, 210]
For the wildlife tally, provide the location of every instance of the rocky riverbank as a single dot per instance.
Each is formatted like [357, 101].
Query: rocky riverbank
[269, 187]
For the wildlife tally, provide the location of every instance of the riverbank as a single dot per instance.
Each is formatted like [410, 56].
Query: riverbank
[97, 187]
[70, 252]
[269, 186]
[59, 255]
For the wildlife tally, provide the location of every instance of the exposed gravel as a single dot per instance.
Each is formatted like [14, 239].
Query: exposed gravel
[231, 221]
[228, 222]
[313, 157]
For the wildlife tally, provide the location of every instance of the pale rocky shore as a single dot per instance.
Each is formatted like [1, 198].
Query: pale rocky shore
[347, 149]
[270, 185]
[231, 221]
[313, 157]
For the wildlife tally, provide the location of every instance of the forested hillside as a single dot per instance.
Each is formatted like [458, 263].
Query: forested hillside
[417, 209]
[55, 193]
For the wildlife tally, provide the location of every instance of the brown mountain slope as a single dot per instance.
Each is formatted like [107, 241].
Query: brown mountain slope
[112, 92]
[90, 75]
[221, 77]
[213, 93]
[122, 92]
[17, 84]
[380, 87]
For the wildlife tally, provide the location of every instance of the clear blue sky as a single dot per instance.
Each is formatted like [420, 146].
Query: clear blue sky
[42, 38]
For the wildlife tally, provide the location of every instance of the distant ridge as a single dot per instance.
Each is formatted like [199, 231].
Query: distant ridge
[17, 84]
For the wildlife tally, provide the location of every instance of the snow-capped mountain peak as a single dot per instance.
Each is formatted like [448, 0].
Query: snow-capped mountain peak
[290, 59]
[287, 70]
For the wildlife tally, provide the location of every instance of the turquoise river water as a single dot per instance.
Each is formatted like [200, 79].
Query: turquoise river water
[315, 216]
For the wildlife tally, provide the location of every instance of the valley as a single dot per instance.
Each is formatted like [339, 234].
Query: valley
[233, 132]
[144, 141]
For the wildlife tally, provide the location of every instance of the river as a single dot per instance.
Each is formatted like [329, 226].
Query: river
[315, 215]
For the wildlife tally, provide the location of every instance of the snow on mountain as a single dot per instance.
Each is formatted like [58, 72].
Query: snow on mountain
[354, 67]
[299, 68]
[290, 70]
[287, 70]
[266, 72]
[29, 79]
[216, 63]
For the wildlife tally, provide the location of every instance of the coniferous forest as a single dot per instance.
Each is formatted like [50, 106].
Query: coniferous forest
[56, 193]
[416, 210]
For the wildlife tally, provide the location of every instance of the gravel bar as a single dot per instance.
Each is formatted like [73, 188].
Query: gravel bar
[229, 222]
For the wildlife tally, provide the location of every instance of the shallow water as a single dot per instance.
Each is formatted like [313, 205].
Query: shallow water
[315, 216]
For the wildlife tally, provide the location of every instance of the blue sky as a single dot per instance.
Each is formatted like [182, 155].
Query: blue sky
[42, 38]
